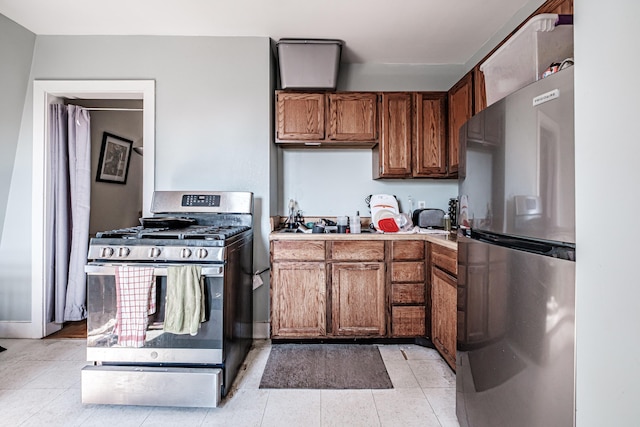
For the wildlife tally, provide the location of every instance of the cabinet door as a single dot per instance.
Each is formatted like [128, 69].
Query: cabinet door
[358, 299]
[444, 316]
[300, 116]
[460, 110]
[352, 117]
[392, 155]
[430, 143]
[298, 299]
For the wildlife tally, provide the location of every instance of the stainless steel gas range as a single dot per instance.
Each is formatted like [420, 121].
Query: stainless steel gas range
[170, 302]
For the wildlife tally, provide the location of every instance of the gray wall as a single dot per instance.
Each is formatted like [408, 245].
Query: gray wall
[607, 175]
[16, 50]
[213, 106]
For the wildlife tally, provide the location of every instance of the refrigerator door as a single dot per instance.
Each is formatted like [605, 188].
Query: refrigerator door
[517, 163]
[516, 337]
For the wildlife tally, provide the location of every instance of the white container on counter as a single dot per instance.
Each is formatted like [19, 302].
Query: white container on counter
[355, 226]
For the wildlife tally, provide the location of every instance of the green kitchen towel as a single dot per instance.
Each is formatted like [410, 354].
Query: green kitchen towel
[184, 306]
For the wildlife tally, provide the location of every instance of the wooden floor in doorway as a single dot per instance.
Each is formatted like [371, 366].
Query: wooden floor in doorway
[71, 330]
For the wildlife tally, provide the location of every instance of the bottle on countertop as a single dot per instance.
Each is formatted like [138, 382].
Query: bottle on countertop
[446, 219]
[355, 223]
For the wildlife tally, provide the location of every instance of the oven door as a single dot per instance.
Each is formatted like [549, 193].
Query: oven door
[159, 348]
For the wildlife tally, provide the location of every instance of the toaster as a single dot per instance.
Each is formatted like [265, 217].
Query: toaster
[428, 218]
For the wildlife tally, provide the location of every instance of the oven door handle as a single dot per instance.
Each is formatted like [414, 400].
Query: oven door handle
[110, 270]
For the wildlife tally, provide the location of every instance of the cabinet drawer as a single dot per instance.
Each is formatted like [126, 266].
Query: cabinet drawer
[407, 271]
[407, 293]
[357, 251]
[407, 250]
[408, 321]
[444, 258]
[297, 250]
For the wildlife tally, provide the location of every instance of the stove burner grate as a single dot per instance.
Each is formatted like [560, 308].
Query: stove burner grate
[196, 232]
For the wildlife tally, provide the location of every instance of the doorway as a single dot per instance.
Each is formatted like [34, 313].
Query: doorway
[48, 92]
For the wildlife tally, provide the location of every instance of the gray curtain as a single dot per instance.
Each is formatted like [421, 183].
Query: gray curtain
[70, 154]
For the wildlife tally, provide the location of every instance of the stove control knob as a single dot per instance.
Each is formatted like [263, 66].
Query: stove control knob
[202, 253]
[185, 253]
[154, 252]
[123, 252]
[106, 252]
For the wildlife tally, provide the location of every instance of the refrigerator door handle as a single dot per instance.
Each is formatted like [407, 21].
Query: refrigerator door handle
[551, 249]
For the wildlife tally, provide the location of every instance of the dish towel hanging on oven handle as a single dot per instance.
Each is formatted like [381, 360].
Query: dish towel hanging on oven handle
[135, 300]
[185, 305]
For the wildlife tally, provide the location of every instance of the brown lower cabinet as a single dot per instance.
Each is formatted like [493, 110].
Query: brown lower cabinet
[357, 283]
[341, 288]
[299, 299]
[365, 289]
[408, 288]
[358, 299]
[444, 300]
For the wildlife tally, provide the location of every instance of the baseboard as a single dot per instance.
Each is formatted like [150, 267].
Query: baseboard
[16, 329]
[261, 330]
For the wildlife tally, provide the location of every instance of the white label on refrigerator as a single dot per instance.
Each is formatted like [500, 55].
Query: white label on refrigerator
[541, 99]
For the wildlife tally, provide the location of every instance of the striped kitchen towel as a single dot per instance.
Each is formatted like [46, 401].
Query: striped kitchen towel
[135, 298]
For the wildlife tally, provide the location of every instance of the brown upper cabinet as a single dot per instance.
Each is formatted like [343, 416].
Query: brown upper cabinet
[300, 116]
[418, 132]
[430, 135]
[412, 136]
[327, 119]
[460, 110]
[392, 155]
[352, 117]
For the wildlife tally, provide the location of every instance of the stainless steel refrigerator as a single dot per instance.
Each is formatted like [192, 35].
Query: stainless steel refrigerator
[516, 260]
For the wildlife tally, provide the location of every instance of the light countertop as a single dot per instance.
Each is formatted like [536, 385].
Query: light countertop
[446, 240]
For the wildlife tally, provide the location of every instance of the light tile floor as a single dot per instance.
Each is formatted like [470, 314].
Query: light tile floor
[40, 385]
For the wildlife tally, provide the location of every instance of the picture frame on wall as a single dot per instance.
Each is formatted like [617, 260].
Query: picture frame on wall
[115, 154]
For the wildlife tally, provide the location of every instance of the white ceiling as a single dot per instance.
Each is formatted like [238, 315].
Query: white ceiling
[374, 31]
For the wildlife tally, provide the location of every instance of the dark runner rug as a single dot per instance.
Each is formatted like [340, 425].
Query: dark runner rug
[325, 366]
